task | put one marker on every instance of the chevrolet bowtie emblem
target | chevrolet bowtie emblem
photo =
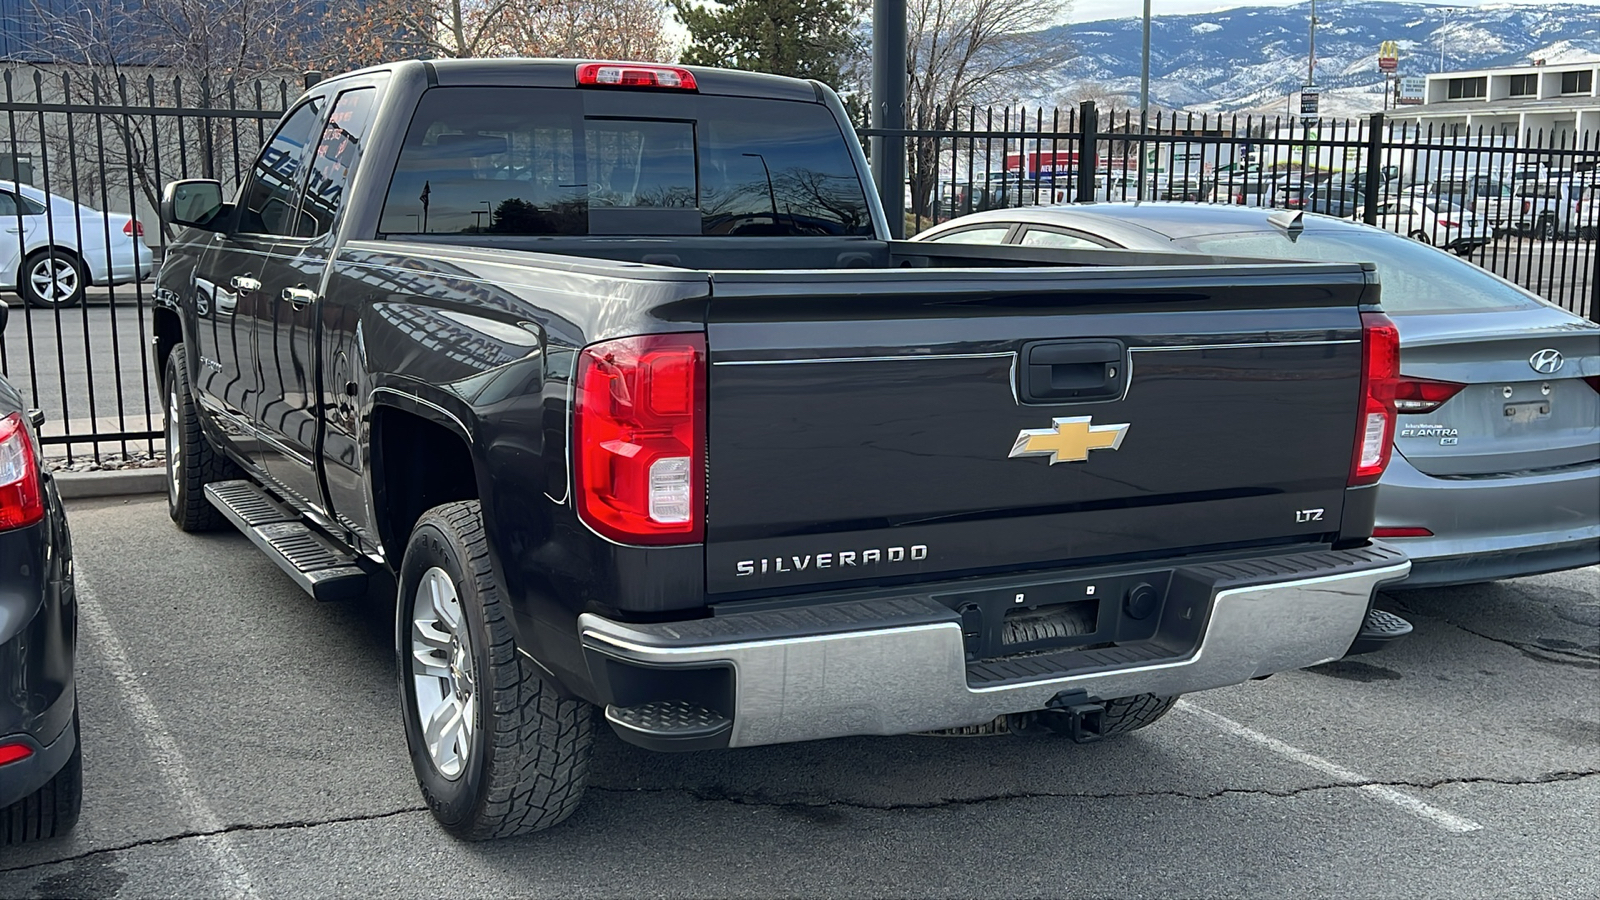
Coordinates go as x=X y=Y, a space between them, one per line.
x=1069 y=440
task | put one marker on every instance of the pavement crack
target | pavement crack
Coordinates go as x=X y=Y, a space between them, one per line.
x=220 y=832
x=800 y=805
x=1536 y=652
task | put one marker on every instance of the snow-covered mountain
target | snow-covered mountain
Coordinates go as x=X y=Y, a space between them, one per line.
x=1252 y=58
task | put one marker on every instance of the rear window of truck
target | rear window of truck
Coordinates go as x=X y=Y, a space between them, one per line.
x=541 y=161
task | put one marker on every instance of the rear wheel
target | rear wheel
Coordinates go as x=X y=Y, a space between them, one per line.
x=192 y=463
x=1546 y=229
x=52 y=280
x=496 y=750
x=1126 y=714
x=1420 y=235
x=49 y=812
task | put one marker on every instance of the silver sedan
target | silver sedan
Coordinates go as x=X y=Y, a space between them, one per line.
x=1496 y=471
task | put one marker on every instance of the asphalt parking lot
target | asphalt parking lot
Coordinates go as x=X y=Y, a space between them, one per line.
x=241 y=740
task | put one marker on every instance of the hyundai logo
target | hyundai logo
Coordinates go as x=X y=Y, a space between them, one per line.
x=1547 y=361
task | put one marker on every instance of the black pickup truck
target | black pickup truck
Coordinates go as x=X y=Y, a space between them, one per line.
x=610 y=374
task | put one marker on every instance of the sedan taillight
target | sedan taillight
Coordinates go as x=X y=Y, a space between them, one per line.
x=133 y=228
x=21 y=496
x=1423 y=395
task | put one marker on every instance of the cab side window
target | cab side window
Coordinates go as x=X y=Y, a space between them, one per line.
x=268 y=201
x=334 y=159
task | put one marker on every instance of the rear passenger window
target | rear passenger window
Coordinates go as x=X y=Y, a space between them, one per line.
x=1035 y=237
x=539 y=161
x=335 y=156
x=989 y=235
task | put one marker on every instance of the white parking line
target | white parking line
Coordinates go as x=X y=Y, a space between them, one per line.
x=1446 y=820
x=163 y=750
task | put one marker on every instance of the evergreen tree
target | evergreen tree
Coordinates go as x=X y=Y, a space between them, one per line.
x=801 y=38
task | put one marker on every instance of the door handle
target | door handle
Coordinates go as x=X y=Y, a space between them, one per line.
x=244 y=284
x=1072 y=371
x=13 y=230
x=298 y=296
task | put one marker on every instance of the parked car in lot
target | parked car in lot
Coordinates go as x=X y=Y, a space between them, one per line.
x=52 y=249
x=747 y=484
x=41 y=768
x=1432 y=221
x=1497 y=466
x=1554 y=209
x=1487 y=197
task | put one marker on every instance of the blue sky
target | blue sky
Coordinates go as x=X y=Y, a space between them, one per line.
x=1090 y=10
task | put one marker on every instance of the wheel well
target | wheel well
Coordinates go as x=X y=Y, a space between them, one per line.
x=168 y=334
x=22 y=270
x=416 y=465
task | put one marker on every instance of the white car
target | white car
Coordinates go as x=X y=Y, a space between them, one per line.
x=1432 y=221
x=51 y=248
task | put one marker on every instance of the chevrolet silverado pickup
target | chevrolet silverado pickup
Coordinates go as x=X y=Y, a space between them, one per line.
x=610 y=374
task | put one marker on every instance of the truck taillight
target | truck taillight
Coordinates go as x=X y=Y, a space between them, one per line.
x=636 y=75
x=639 y=438
x=1423 y=395
x=133 y=228
x=1380 y=376
x=21 y=498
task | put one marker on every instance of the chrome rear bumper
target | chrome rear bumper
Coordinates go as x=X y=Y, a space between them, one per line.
x=851 y=678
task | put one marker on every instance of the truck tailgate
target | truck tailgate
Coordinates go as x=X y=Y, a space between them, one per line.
x=873 y=425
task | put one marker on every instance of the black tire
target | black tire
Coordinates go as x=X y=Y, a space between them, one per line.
x=193 y=463
x=1126 y=714
x=49 y=812
x=1420 y=235
x=527 y=757
x=1546 y=229
x=66 y=265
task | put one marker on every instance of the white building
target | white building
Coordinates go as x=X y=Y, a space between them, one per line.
x=1550 y=106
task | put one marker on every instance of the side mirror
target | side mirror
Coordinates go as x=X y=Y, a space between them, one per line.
x=196 y=203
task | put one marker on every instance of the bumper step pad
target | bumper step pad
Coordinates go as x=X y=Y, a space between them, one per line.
x=323 y=570
x=1379 y=631
x=675 y=722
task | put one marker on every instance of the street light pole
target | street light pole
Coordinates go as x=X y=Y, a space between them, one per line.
x=1311 y=58
x=1144 y=104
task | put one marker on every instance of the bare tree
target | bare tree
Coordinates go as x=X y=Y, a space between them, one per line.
x=357 y=33
x=966 y=52
x=209 y=53
x=589 y=29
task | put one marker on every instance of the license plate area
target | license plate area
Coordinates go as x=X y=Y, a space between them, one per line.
x=1530 y=411
x=1054 y=615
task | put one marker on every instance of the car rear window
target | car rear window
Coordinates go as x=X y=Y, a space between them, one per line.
x=1416 y=278
x=541 y=161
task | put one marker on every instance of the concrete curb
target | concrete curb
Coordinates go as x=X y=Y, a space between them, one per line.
x=113 y=483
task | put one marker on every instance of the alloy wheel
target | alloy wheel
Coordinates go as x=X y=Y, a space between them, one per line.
x=174 y=450
x=54 y=281
x=443 y=672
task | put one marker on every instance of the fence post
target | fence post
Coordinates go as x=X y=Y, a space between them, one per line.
x=1088 y=144
x=1369 y=198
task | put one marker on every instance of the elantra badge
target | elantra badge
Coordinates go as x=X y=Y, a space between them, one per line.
x=1068 y=440
x=1547 y=361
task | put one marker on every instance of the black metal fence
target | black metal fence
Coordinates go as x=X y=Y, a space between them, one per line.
x=1520 y=202
x=84 y=156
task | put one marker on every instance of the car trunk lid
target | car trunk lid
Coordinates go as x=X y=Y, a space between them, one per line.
x=1524 y=404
